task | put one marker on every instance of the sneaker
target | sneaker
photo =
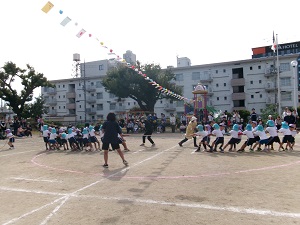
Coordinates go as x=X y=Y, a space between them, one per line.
x=240 y=150
x=125 y=162
x=153 y=145
x=180 y=144
x=126 y=150
x=105 y=165
x=142 y=144
x=258 y=149
x=251 y=150
x=196 y=146
x=198 y=150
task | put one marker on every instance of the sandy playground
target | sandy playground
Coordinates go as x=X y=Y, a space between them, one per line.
x=164 y=184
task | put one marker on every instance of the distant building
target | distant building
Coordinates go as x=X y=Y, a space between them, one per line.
x=235 y=85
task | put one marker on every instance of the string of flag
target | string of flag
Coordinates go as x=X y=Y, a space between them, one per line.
x=48 y=6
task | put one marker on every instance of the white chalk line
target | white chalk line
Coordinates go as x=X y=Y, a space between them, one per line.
x=66 y=197
x=263 y=212
x=37 y=180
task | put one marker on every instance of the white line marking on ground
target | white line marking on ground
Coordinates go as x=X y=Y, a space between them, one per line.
x=66 y=197
x=38 y=180
x=263 y=212
x=17 y=153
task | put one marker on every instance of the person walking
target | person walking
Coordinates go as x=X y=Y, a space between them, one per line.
x=148 y=131
x=111 y=129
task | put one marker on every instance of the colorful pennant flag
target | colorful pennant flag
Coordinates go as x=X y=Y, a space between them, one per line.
x=80 y=33
x=47 y=7
x=65 y=21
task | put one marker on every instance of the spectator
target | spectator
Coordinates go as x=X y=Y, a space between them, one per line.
x=253 y=115
x=172 y=122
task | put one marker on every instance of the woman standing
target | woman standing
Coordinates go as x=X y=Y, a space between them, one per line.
x=111 y=129
x=190 y=130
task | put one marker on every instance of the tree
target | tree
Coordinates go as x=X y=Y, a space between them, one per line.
x=269 y=110
x=35 y=109
x=125 y=82
x=29 y=80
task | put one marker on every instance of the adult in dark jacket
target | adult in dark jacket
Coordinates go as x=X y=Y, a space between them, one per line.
x=111 y=129
x=148 y=131
x=290 y=119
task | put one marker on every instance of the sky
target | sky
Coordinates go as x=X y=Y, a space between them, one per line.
x=156 y=31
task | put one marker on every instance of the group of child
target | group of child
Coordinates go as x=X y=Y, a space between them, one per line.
x=256 y=136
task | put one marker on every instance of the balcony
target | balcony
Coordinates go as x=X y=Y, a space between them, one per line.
x=169 y=107
x=206 y=79
x=91 y=100
x=51 y=102
x=71 y=94
x=270 y=72
x=90 y=88
x=270 y=100
x=238 y=96
x=91 y=111
x=238 y=82
x=71 y=106
x=52 y=112
x=51 y=92
x=270 y=86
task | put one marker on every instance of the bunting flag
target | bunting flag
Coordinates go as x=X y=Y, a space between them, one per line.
x=65 y=21
x=47 y=7
x=157 y=86
x=80 y=33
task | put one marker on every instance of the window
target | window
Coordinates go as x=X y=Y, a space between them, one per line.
x=286 y=96
x=111 y=95
x=161 y=101
x=196 y=76
x=224 y=84
x=101 y=67
x=99 y=106
x=59 y=96
x=252 y=96
x=112 y=106
x=250 y=67
x=251 y=82
x=217 y=85
x=259 y=81
x=179 y=77
x=64 y=96
x=217 y=71
x=99 y=84
x=224 y=70
x=285 y=67
x=225 y=98
x=285 y=81
x=259 y=67
x=218 y=98
x=63 y=85
x=79 y=95
x=128 y=103
x=80 y=106
x=100 y=95
x=58 y=107
x=134 y=103
x=58 y=86
x=260 y=95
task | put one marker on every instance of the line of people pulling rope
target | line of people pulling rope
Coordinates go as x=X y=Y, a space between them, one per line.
x=256 y=136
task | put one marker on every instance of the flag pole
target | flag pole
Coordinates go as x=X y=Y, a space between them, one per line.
x=278 y=79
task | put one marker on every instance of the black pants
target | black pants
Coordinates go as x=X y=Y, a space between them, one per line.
x=185 y=139
x=149 y=138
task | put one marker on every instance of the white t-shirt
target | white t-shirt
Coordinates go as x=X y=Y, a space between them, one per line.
x=218 y=133
x=234 y=134
x=285 y=131
x=262 y=135
x=202 y=133
x=272 y=131
x=249 y=134
x=52 y=136
x=46 y=133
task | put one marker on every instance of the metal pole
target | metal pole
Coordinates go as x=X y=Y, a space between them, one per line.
x=294 y=64
x=84 y=91
x=278 y=78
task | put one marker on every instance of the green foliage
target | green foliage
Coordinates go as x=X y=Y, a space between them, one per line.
x=244 y=115
x=125 y=82
x=269 y=110
x=29 y=81
x=35 y=109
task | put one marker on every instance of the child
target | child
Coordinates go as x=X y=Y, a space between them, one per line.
x=86 y=140
x=262 y=136
x=219 y=133
x=148 y=131
x=64 y=140
x=11 y=138
x=250 y=139
x=234 y=138
x=52 y=140
x=205 y=138
x=93 y=137
x=287 y=138
x=272 y=130
x=45 y=135
x=294 y=133
x=72 y=140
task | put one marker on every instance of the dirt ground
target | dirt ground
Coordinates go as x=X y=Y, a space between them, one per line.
x=164 y=184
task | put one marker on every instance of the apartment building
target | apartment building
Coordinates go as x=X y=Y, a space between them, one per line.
x=234 y=85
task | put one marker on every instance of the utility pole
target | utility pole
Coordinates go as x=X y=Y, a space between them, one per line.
x=84 y=91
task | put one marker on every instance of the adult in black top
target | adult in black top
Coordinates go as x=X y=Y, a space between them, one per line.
x=148 y=131
x=111 y=129
x=253 y=115
x=290 y=119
